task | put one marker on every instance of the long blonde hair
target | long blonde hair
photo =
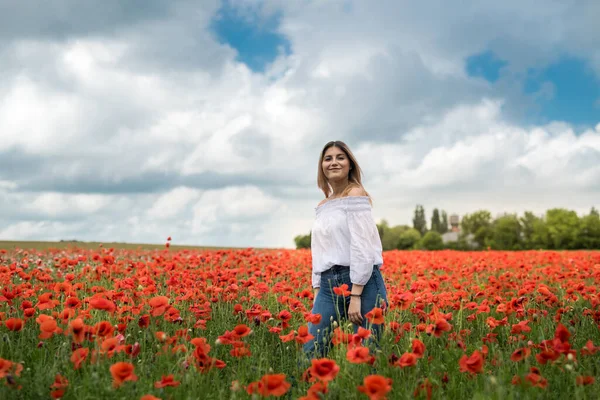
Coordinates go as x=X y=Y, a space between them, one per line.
x=354 y=175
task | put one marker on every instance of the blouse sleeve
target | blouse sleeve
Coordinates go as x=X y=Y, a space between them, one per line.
x=363 y=233
x=316 y=280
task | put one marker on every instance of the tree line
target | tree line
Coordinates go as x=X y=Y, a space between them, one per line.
x=556 y=229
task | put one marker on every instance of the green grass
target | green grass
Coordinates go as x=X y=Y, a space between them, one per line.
x=68 y=244
x=175 y=274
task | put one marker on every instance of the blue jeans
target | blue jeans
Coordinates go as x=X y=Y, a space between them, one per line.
x=333 y=307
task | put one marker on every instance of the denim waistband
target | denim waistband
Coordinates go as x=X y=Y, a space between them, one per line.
x=342 y=268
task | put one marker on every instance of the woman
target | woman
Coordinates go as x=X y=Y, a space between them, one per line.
x=346 y=249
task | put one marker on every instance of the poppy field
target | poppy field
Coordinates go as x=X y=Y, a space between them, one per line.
x=229 y=324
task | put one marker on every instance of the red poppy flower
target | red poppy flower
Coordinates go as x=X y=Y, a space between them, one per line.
x=418 y=348
x=323 y=369
x=439 y=328
x=535 y=379
x=342 y=290
x=242 y=330
x=375 y=316
x=79 y=356
x=270 y=385
x=520 y=354
x=14 y=324
x=167 y=380
x=376 y=387
x=287 y=338
x=359 y=355
x=159 y=305
x=472 y=364
x=303 y=335
x=585 y=380
x=122 y=372
x=407 y=360
x=100 y=303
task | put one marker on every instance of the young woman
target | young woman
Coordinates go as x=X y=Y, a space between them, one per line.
x=346 y=249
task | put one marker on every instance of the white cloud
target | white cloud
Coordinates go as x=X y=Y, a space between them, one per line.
x=58 y=205
x=172 y=203
x=6 y=185
x=158 y=130
x=247 y=203
x=49 y=230
x=39 y=121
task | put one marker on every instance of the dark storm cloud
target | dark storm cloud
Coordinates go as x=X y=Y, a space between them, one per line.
x=162 y=35
x=62 y=19
x=251 y=143
x=16 y=165
x=170 y=46
x=31 y=174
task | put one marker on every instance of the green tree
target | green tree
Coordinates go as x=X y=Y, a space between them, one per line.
x=303 y=241
x=479 y=224
x=431 y=241
x=506 y=233
x=391 y=235
x=444 y=223
x=589 y=234
x=381 y=228
x=563 y=228
x=436 y=223
x=419 y=221
x=408 y=239
x=535 y=231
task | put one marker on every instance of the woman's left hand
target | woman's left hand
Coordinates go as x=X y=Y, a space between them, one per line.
x=354 y=314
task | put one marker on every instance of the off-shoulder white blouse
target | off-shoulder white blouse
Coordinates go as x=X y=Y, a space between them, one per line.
x=344 y=233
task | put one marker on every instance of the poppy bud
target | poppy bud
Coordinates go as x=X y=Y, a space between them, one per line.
x=135 y=349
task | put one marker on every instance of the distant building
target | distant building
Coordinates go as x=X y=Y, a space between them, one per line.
x=450 y=237
x=455 y=232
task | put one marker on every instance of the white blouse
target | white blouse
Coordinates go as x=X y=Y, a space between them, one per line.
x=344 y=233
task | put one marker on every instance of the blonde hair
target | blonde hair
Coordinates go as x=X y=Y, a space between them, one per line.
x=354 y=176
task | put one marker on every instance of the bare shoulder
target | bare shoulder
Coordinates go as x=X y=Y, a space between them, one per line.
x=357 y=191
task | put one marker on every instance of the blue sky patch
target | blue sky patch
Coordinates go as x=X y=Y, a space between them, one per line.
x=485 y=65
x=254 y=37
x=574 y=91
x=567 y=90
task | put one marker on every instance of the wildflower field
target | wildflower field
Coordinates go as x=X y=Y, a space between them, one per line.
x=229 y=324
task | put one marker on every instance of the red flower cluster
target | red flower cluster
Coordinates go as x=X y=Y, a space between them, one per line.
x=475 y=313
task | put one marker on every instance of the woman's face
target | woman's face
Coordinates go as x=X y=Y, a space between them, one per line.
x=336 y=164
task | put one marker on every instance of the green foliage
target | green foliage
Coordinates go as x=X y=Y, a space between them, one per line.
x=436 y=223
x=535 y=231
x=589 y=235
x=262 y=279
x=557 y=229
x=563 y=228
x=419 y=220
x=391 y=236
x=431 y=241
x=444 y=223
x=479 y=224
x=381 y=227
x=507 y=233
x=460 y=244
x=302 y=241
x=408 y=239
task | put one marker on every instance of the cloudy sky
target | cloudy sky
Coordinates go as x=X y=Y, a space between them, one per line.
x=203 y=120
